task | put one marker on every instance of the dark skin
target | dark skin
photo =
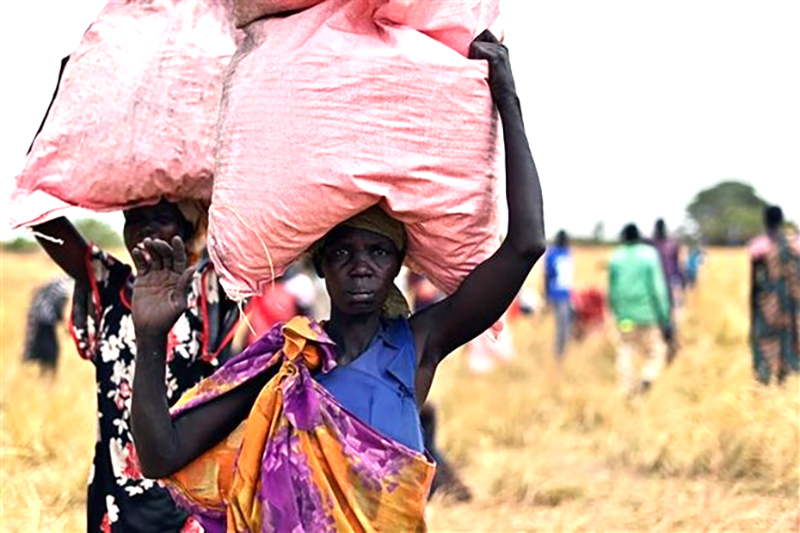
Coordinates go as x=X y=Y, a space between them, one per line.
x=161 y=221
x=359 y=268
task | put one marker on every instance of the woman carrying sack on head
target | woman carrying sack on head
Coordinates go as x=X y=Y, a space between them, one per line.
x=315 y=427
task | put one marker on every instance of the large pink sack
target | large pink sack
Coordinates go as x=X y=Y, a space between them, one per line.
x=332 y=110
x=453 y=22
x=135 y=113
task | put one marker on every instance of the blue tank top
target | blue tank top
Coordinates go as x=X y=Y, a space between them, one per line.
x=378 y=386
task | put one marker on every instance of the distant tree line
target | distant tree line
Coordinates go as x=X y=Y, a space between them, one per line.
x=727 y=214
x=93 y=230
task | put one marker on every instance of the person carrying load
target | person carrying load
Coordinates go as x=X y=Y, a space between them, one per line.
x=315 y=427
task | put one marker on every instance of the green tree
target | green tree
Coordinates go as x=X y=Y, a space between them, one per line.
x=100 y=233
x=728 y=213
x=20 y=244
x=93 y=230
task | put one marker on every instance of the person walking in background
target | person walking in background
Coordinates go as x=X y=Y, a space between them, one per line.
x=637 y=295
x=45 y=312
x=774 y=300
x=300 y=284
x=669 y=251
x=588 y=311
x=558 y=289
x=423 y=293
x=275 y=305
x=693 y=263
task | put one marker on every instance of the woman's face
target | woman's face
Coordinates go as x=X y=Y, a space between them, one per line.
x=359 y=268
x=161 y=221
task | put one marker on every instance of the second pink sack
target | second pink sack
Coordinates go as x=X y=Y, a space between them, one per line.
x=334 y=109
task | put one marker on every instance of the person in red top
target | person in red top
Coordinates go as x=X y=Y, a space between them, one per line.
x=276 y=305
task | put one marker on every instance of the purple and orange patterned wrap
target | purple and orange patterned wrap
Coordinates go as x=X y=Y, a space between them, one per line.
x=299 y=462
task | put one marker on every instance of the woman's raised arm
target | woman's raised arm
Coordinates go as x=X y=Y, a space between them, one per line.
x=489 y=290
x=165 y=445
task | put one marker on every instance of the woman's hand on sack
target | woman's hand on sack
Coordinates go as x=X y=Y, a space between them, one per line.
x=501 y=79
x=160 y=293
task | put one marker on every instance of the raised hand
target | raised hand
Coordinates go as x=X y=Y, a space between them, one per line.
x=501 y=80
x=160 y=293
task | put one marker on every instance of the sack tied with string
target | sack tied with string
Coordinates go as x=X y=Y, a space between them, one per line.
x=347 y=104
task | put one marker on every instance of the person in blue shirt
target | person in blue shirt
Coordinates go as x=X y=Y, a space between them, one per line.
x=385 y=358
x=693 y=263
x=558 y=288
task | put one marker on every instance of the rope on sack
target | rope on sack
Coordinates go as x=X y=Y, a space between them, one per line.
x=238 y=298
x=260 y=240
x=243 y=314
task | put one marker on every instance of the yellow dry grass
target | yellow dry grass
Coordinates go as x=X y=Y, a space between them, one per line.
x=707 y=450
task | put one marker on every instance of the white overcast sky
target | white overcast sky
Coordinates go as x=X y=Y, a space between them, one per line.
x=631 y=106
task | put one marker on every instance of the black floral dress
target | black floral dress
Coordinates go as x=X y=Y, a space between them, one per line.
x=119 y=498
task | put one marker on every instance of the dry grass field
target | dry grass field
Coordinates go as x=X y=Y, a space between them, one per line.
x=706 y=450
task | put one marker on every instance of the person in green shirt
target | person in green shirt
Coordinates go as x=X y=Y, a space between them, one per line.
x=639 y=300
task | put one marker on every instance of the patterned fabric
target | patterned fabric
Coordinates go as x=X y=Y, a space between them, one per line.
x=774 y=336
x=299 y=462
x=119 y=498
